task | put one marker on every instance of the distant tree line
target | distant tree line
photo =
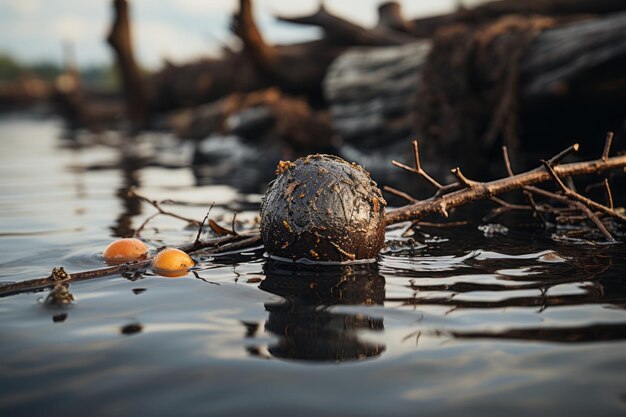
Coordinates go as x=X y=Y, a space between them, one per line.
x=12 y=70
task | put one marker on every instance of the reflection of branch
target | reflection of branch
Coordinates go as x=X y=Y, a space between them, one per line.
x=157 y=205
x=465 y=191
x=216 y=228
x=581 y=334
x=227 y=241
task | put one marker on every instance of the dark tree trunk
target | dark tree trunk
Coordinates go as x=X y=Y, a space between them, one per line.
x=120 y=39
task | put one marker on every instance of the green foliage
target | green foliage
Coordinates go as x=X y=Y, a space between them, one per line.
x=11 y=70
x=45 y=70
x=104 y=76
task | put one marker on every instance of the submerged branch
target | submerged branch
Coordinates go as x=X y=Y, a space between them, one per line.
x=60 y=276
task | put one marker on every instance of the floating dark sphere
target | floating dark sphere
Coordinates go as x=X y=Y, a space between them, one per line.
x=324 y=209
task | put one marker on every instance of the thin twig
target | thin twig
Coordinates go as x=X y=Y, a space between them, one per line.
x=556 y=159
x=157 y=205
x=238 y=245
x=400 y=194
x=418 y=167
x=592 y=216
x=548 y=166
x=202 y=224
x=609 y=195
x=462 y=179
x=442 y=225
x=232 y=226
x=581 y=198
x=578 y=205
x=527 y=194
x=607 y=146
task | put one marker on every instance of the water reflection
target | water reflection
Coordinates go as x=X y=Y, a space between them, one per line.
x=491 y=280
x=577 y=334
x=307 y=328
x=553 y=287
x=130 y=168
x=59 y=296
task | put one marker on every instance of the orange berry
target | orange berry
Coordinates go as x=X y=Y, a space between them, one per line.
x=171 y=261
x=125 y=250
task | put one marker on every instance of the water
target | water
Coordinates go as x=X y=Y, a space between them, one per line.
x=454 y=323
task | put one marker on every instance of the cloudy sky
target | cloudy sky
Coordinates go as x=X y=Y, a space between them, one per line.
x=34 y=30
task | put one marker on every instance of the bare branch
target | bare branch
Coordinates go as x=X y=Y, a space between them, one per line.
x=507 y=161
x=556 y=159
x=607 y=146
x=232 y=226
x=157 y=205
x=462 y=179
x=400 y=194
x=581 y=198
x=578 y=205
x=418 y=166
x=529 y=196
x=441 y=204
x=202 y=224
x=609 y=195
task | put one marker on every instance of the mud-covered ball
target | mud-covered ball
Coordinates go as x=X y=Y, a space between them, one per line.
x=322 y=208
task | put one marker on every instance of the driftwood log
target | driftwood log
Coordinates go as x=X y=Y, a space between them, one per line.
x=564 y=10
x=383 y=110
x=297 y=69
x=372 y=92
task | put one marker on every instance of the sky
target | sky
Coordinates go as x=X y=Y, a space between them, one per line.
x=179 y=30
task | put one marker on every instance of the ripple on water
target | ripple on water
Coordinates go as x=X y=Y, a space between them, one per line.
x=448 y=322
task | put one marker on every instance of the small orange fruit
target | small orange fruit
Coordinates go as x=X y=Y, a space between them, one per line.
x=125 y=250
x=170 y=261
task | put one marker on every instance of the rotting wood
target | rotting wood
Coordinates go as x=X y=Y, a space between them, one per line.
x=372 y=92
x=565 y=10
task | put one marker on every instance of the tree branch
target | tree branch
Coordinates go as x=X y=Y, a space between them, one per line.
x=483 y=190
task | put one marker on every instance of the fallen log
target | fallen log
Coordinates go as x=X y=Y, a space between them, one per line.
x=341 y=31
x=180 y=86
x=564 y=10
x=297 y=69
x=300 y=68
x=372 y=92
x=390 y=16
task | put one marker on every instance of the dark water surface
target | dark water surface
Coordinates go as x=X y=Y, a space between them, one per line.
x=456 y=323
